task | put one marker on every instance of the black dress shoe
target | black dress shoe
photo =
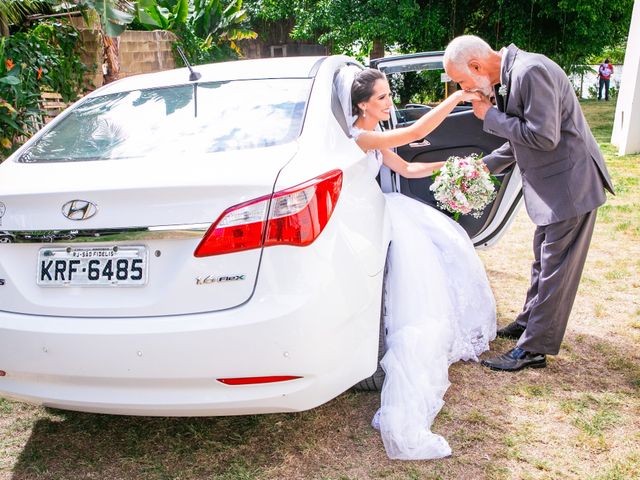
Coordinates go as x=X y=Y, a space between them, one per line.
x=513 y=330
x=515 y=360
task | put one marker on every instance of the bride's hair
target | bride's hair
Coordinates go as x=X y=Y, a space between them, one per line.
x=362 y=87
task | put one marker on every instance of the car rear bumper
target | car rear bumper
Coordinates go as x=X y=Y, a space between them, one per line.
x=170 y=366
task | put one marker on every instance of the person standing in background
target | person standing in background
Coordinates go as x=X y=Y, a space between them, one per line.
x=604 y=76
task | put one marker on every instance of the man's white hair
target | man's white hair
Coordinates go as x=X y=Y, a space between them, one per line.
x=464 y=48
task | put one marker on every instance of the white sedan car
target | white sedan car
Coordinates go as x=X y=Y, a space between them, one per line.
x=180 y=246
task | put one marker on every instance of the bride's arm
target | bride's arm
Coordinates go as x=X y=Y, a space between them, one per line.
x=375 y=140
x=406 y=169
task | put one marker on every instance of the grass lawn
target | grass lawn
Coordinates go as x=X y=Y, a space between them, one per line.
x=577 y=419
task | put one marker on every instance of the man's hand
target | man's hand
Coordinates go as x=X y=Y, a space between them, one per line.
x=481 y=106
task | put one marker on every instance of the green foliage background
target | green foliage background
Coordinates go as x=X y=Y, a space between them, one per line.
x=572 y=32
x=569 y=31
x=43 y=58
x=207 y=30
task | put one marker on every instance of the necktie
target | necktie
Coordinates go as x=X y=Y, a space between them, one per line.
x=499 y=98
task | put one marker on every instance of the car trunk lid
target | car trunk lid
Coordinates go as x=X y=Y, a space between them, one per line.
x=143 y=220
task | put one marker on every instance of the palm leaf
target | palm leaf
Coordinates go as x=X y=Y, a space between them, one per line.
x=15 y=10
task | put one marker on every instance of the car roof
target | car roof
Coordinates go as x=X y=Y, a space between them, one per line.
x=283 y=67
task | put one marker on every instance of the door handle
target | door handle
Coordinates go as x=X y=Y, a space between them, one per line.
x=423 y=143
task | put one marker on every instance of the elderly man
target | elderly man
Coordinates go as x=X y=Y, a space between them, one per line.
x=563 y=180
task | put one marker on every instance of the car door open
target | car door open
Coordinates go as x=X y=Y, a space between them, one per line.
x=414 y=80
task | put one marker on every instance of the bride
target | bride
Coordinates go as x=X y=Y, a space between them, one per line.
x=440 y=308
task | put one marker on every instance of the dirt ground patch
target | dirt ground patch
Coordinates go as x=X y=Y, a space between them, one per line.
x=577 y=419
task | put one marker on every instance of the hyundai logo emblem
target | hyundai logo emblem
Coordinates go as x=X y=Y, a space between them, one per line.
x=79 y=210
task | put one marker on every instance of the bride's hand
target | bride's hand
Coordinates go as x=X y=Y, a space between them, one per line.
x=465 y=96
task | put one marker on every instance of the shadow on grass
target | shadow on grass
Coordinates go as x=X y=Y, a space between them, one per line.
x=72 y=445
x=595 y=382
x=77 y=445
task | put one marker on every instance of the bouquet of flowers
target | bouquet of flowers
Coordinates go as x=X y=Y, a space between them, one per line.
x=464 y=186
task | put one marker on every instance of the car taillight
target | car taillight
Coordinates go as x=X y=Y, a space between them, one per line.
x=257 y=380
x=296 y=216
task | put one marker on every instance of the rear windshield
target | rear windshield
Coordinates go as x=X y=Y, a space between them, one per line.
x=182 y=120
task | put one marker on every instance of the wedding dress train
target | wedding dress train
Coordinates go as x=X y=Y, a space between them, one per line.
x=439 y=309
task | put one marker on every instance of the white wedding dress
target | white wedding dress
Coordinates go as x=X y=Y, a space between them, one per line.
x=439 y=309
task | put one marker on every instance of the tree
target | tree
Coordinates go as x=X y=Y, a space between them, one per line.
x=114 y=16
x=207 y=30
x=358 y=27
x=569 y=31
x=43 y=57
x=14 y=11
x=615 y=53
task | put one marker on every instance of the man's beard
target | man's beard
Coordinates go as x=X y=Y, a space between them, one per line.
x=483 y=84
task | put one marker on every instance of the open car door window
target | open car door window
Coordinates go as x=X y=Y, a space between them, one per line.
x=460 y=134
x=412 y=62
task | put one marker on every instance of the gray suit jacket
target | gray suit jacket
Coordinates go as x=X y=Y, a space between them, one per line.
x=563 y=171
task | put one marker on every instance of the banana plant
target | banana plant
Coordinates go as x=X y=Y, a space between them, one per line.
x=14 y=11
x=168 y=15
x=114 y=15
x=206 y=25
x=219 y=22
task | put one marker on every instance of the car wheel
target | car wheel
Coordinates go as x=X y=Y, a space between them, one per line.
x=375 y=381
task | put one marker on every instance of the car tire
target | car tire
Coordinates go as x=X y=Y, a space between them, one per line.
x=375 y=381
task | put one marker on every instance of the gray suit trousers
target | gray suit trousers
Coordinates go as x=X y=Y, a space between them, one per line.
x=560 y=250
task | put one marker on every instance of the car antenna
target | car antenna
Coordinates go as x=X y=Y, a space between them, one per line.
x=193 y=75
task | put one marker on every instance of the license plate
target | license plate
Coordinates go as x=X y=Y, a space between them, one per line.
x=115 y=266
